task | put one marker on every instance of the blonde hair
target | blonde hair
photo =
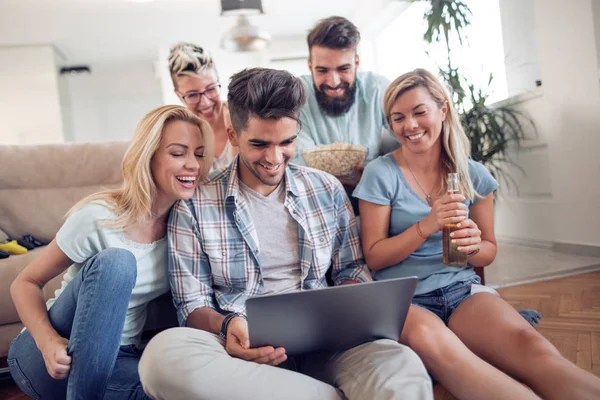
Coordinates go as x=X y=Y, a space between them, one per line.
x=188 y=59
x=456 y=148
x=132 y=202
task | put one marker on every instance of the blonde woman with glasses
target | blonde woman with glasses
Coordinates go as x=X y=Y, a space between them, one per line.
x=197 y=85
x=471 y=341
x=85 y=342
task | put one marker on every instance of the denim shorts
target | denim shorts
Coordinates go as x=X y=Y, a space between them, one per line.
x=442 y=302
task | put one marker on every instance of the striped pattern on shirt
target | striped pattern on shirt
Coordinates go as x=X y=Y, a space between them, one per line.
x=214 y=254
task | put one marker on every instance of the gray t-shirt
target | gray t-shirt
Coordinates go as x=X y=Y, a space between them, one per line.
x=277 y=235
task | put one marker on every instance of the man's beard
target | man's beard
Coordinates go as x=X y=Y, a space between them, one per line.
x=336 y=106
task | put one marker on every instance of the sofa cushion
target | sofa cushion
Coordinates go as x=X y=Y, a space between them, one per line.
x=39 y=184
x=39 y=212
x=7 y=333
x=9 y=269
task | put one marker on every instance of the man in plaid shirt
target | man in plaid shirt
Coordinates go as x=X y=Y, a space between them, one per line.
x=264 y=226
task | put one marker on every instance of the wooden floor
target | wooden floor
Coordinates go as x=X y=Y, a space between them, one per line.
x=571 y=310
x=571 y=322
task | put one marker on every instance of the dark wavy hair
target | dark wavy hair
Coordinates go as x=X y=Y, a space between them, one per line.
x=334 y=33
x=264 y=93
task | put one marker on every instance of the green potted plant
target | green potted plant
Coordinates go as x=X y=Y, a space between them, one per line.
x=493 y=130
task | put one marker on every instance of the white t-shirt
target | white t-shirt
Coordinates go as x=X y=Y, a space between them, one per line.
x=83 y=235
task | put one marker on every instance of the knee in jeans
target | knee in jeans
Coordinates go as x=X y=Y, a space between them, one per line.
x=118 y=263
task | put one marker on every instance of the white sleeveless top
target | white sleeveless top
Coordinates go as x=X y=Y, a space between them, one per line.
x=224 y=159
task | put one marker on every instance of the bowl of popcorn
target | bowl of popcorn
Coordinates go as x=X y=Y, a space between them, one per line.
x=339 y=159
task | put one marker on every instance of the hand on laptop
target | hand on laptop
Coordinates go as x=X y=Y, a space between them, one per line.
x=238 y=345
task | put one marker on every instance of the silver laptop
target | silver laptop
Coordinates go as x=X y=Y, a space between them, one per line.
x=335 y=318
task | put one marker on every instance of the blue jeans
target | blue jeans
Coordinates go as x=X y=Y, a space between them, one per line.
x=442 y=302
x=90 y=313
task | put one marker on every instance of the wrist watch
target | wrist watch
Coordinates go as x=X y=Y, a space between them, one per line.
x=226 y=321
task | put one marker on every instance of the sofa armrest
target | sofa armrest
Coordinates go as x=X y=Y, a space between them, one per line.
x=9 y=269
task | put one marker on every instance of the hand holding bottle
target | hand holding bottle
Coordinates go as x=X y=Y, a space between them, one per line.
x=448 y=209
x=467 y=237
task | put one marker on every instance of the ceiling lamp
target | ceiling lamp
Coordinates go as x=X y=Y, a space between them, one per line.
x=243 y=36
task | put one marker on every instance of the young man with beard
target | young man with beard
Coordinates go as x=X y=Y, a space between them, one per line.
x=343 y=105
x=264 y=226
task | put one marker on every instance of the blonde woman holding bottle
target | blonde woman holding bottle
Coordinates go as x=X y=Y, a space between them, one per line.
x=472 y=342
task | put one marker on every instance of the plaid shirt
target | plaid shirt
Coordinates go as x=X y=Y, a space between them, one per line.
x=214 y=254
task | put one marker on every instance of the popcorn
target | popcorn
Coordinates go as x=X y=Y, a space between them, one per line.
x=339 y=159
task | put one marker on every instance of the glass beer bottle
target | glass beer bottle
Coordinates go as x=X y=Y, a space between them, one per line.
x=452 y=256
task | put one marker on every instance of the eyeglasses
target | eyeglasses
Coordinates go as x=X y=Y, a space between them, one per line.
x=210 y=93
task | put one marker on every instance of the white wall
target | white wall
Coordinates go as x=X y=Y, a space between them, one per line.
x=559 y=198
x=520 y=45
x=372 y=18
x=29 y=96
x=290 y=53
x=596 y=13
x=400 y=47
x=568 y=63
x=65 y=103
x=526 y=213
x=108 y=103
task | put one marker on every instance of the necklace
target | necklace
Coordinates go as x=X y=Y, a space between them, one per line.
x=427 y=195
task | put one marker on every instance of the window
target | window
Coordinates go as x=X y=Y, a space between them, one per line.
x=400 y=47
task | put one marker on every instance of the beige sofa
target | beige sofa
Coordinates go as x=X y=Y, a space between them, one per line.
x=38 y=185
